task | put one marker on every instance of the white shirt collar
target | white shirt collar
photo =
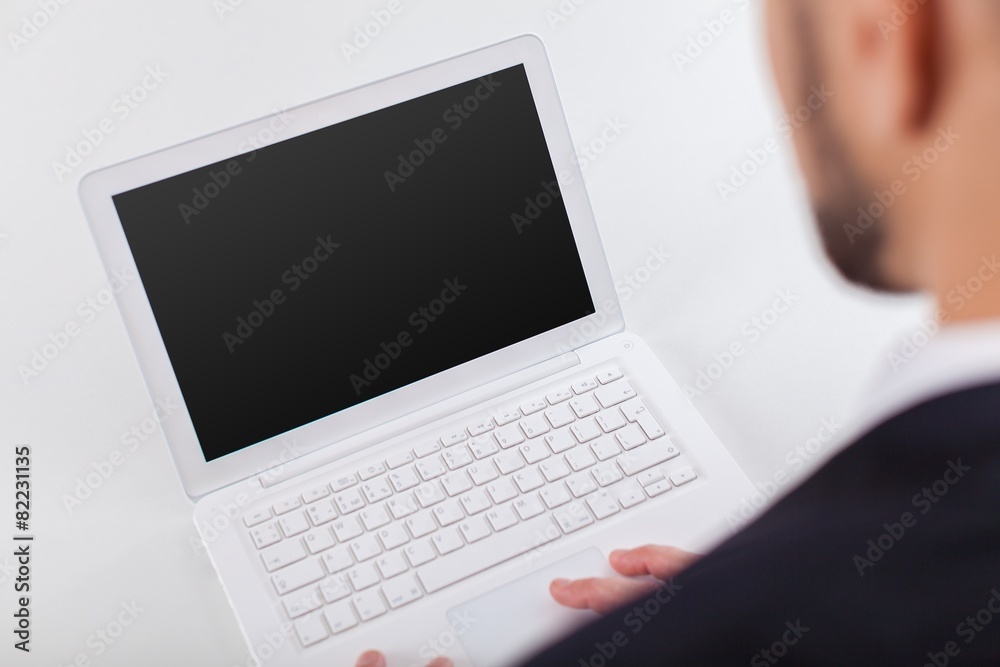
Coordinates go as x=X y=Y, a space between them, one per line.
x=959 y=357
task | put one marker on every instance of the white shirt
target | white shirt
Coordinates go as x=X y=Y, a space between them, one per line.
x=959 y=357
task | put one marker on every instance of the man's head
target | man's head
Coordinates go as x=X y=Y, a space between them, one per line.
x=900 y=159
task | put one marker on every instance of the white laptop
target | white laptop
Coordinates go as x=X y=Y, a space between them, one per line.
x=408 y=398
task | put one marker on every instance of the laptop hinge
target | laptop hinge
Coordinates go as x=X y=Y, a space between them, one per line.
x=391 y=429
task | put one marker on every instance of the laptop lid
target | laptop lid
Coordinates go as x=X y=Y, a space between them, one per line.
x=391 y=247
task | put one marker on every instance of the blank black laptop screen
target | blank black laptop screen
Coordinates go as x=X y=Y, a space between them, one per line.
x=315 y=273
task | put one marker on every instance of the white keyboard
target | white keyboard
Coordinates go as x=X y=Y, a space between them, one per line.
x=373 y=540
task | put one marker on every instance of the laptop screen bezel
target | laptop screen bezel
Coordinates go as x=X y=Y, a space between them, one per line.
x=199 y=476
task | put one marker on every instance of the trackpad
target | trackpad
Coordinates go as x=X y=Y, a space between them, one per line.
x=512 y=622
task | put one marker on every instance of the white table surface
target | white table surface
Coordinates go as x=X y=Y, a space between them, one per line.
x=655 y=186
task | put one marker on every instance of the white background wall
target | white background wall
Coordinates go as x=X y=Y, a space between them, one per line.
x=656 y=185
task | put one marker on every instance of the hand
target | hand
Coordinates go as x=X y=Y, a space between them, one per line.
x=604 y=595
x=376 y=659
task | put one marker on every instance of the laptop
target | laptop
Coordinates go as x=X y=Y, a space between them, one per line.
x=407 y=396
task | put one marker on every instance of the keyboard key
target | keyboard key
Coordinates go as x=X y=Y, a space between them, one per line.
x=431 y=467
x=533 y=406
x=420 y=525
x=560 y=441
x=475 y=501
x=474 y=529
x=368 y=605
x=658 y=488
x=580 y=458
x=506 y=417
x=559 y=396
x=448 y=513
x=501 y=491
x=321 y=512
x=294 y=524
x=296 y=576
x=480 y=427
x=399 y=460
x=401 y=591
x=347 y=528
x=426 y=449
x=340 y=617
x=610 y=420
x=349 y=501
x=510 y=543
x=318 y=539
x=572 y=518
x=311 y=630
x=363 y=576
x=583 y=386
x=528 y=480
x=650 y=426
x=459 y=457
x=341 y=482
x=256 y=517
x=283 y=554
x=617 y=392
x=429 y=494
x=374 y=517
x=631 y=436
x=373 y=470
x=560 y=415
x=646 y=457
x=453 y=438
x=287 y=505
x=683 y=476
x=365 y=548
x=508 y=436
x=392 y=536
x=636 y=411
x=630 y=494
x=376 y=490
x=419 y=553
x=533 y=452
x=315 y=493
x=581 y=485
x=606 y=475
x=299 y=604
x=528 y=507
x=334 y=588
x=603 y=505
x=446 y=541
x=555 y=495
x=456 y=483
x=648 y=477
x=264 y=536
x=586 y=430
x=337 y=559
x=391 y=564
x=605 y=448
x=534 y=426
x=584 y=406
x=609 y=376
x=403 y=479
x=483 y=472
x=402 y=506
x=501 y=517
x=483 y=447
x=554 y=469
x=508 y=462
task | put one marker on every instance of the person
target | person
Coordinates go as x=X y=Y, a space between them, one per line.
x=890 y=553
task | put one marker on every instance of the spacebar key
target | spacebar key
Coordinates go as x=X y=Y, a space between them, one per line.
x=474 y=558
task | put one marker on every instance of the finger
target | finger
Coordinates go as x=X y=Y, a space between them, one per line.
x=601 y=595
x=660 y=562
x=441 y=662
x=371 y=659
